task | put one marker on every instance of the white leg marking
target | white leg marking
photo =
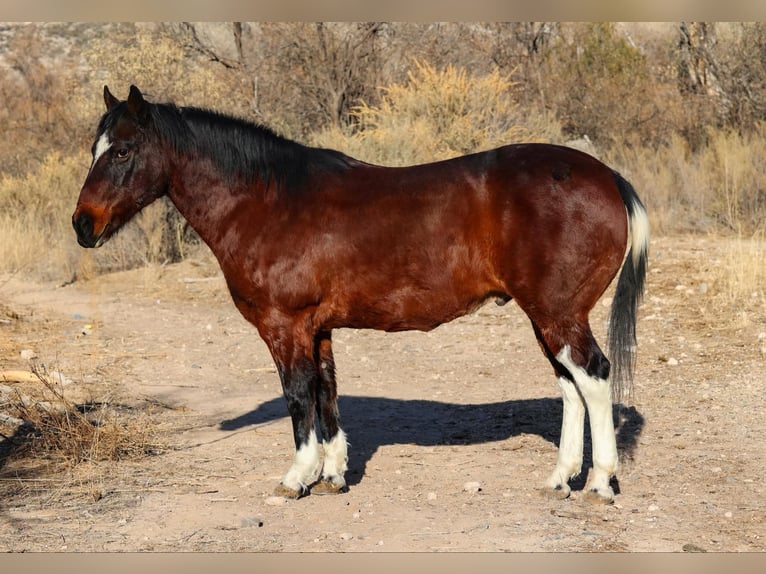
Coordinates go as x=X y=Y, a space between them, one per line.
x=597 y=396
x=569 y=463
x=335 y=459
x=305 y=468
x=102 y=145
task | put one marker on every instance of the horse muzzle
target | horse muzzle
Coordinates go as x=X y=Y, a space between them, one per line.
x=89 y=232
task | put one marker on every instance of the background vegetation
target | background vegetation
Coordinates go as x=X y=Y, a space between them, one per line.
x=679 y=109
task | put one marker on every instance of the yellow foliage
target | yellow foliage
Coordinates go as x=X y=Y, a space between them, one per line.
x=435 y=114
x=159 y=65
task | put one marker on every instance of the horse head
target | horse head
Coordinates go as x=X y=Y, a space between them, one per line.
x=129 y=170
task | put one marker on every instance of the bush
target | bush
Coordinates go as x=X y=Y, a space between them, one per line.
x=437 y=114
x=601 y=86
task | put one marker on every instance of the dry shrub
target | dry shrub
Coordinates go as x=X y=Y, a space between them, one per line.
x=55 y=429
x=669 y=184
x=720 y=187
x=164 y=69
x=41 y=110
x=435 y=115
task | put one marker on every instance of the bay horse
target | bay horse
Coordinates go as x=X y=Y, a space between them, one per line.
x=310 y=240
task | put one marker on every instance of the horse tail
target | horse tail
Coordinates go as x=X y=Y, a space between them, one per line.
x=621 y=334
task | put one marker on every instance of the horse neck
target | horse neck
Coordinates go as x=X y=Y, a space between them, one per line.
x=209 y=201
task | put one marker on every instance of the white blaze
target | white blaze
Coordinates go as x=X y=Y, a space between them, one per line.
x=102 y=145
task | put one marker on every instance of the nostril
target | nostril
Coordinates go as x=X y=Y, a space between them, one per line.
x=83 y=225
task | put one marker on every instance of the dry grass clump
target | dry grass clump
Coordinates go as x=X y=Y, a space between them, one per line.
x=40 y=423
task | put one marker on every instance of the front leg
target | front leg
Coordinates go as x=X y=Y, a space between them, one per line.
x=299 y=387
x=333 y=437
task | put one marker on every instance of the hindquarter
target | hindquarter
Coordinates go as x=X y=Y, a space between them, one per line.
x=562 y=230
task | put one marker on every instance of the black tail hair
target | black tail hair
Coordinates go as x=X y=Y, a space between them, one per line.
x=621 y=334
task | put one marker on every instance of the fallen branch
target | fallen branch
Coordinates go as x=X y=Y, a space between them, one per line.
x=19 y=376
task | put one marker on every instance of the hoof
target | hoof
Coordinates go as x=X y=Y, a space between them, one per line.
x=558 y=492
x=593 y=496
x=285 y=492
x=328 y=487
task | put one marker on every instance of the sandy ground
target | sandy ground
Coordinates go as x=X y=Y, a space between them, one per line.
x=428 y=416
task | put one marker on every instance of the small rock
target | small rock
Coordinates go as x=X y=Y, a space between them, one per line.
x=275 y=501
x=251 y=521
x=653 y=508
x=28 y=354
x=672 y=361
x=472 y=487
x=346 y=536
x=431 y=496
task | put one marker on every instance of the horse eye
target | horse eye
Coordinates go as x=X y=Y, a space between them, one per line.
x=122 y=153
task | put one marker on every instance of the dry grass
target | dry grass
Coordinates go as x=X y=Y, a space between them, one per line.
x=41 y=423
x=718 y=188
x=741 y=278
x=34 y=218
x=36 y=236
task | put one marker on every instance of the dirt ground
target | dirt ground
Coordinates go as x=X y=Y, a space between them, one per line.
x=428 y=416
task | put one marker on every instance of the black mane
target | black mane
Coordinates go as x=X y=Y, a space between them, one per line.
x=241 y=150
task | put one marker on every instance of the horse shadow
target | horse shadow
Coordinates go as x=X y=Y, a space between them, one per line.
x=373 y=422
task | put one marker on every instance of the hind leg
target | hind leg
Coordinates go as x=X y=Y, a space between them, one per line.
x=333 y=437
x=569 y=462
x=597 y=395
x=583 y=372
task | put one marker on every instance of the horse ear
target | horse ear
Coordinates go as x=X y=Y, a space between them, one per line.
x=109 y=99
x=136 y=103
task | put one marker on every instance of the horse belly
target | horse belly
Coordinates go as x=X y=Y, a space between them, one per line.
x=405 y=307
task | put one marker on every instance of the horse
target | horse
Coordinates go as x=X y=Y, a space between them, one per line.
x=310 y=240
